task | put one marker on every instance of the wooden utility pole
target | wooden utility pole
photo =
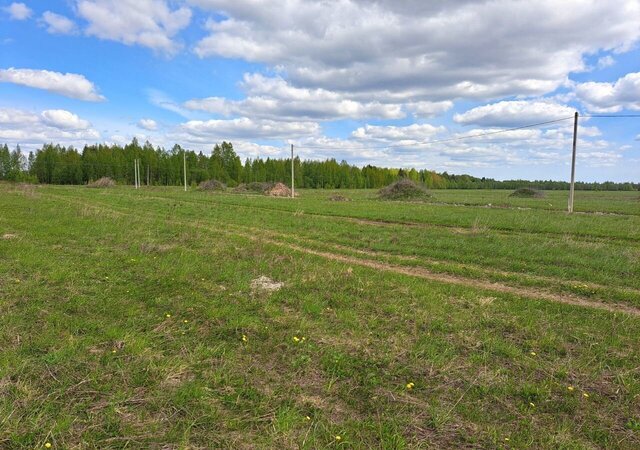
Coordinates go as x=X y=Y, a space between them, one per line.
x=135 y=172
x=573 y=163
x=184 y=159
x=293 y=188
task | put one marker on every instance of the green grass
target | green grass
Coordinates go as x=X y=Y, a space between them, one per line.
x=89 y=358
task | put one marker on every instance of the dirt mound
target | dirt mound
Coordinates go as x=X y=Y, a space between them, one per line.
x=212 y=185
x=260 y=187
x=279 y=190
x=104 y=182
x=527 y=193
x=404 y=189
x=338 y=198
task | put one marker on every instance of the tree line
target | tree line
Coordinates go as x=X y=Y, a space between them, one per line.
x=56 y=164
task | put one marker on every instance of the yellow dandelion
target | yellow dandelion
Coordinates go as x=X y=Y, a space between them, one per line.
x=307 y=418
x=185 y=321
x=570 y=388
x=296 y=339
x=167 y=315
x=533 y=353
x=47 y=445
x=113 y=351
x=303 y=339
x=338 y=438
x=533 y=405
x=585 y=395
x=506 y=439
x=410 y=385
x=244 y=338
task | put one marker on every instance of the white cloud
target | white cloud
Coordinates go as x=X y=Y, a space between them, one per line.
x=198 y=131
x=148 y=124
x=611 y=97
x=433 y=51
x=19 y=126
x=64 y=120
x=18 y=11
x=149 y=23
x=514 y=113
x=67 y=84
x=276 y=99
x=164 y=101
x=429 y=109
x=605 y=61
x=398 y=135
x=57 y=24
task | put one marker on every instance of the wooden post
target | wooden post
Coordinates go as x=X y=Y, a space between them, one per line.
x=293 y=188
x=573 y=163
x=184 y=158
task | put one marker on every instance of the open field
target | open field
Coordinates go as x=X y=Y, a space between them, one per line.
x=128 y=320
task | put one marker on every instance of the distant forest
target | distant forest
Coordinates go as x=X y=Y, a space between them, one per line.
x=55 y=164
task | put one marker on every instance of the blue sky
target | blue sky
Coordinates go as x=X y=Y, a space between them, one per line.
x=373 y=82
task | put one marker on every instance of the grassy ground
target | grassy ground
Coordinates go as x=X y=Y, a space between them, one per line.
x=127 y=320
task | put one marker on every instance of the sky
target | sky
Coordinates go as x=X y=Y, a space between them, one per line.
x=391 y=83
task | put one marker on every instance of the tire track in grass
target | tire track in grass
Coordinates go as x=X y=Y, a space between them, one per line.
x=564 y=283
x=418 y=272
x=398 y=256
x=592 y=238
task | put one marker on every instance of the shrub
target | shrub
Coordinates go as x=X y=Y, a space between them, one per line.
x=212 y=185
x=104 y=182
x=403 y=189
x=527 y=193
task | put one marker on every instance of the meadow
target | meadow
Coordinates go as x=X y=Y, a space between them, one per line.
x=130 y=319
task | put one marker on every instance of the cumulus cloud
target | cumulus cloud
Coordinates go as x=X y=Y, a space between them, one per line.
x=199 y=131
x=401 y=135
x=64 y=120
x=149 y=23
x=514 y=113
x=68 y=84
x=611 y=97
x=18 y=126
x=429 y=109
x=57 y=24
x=148 y=124
x=435 y=52
x=273 y=97
x=18 y=11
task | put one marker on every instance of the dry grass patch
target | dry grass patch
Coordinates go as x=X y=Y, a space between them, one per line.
x=104 y=182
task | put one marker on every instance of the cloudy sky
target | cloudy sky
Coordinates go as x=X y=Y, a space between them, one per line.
x=385 y=82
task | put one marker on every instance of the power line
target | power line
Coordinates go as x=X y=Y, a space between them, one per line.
x=438 y=141
x=611 y=116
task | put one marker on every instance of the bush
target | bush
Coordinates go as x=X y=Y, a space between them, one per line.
x=527 y=193
x=404 y=189
x=104 y=182
x=212 y=185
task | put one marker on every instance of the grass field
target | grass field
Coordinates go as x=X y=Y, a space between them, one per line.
x=128 y=320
